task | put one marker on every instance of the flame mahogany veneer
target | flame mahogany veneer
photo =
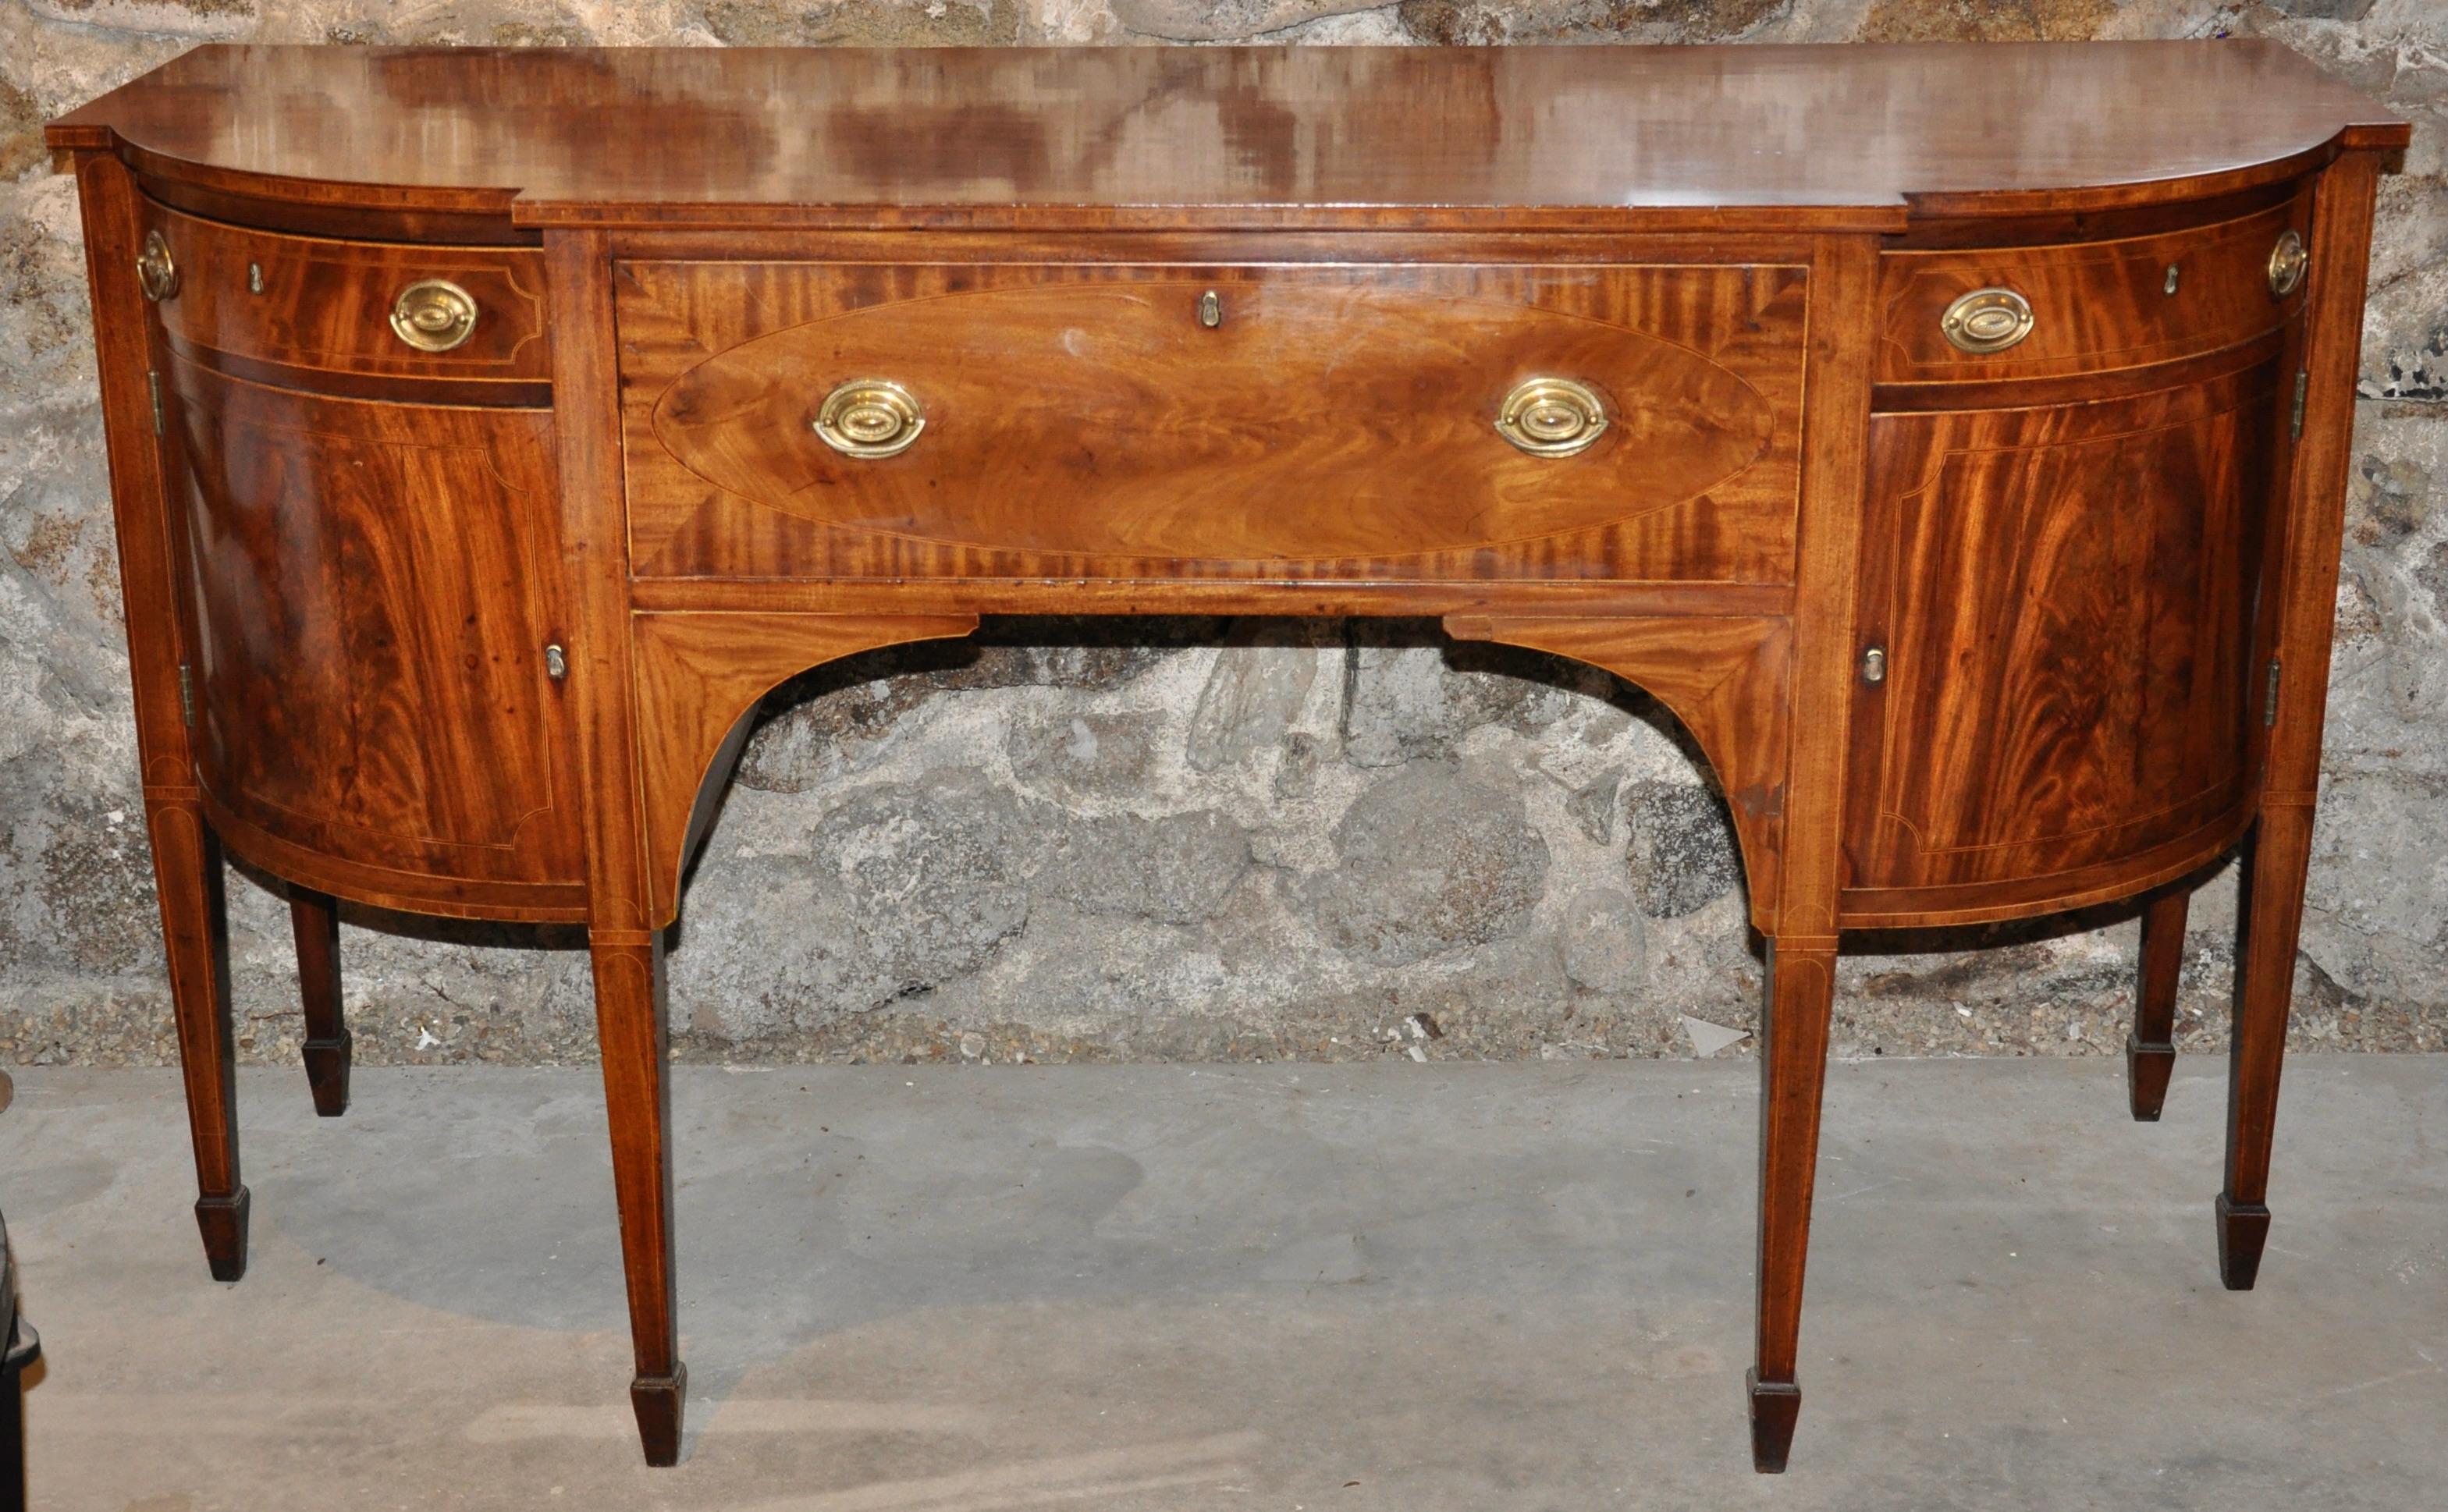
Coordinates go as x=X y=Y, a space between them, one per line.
x=469 y=619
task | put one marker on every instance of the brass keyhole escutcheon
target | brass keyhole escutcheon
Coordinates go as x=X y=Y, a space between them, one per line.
x=869 y=417
x=1552 y=417
x=1987 y=320
x=434 y=315
x=2287 y=262
x=1211 y=309
x=157 y=273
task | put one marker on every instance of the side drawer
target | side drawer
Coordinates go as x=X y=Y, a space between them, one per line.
x=316 y=313
x=2094 y=306
x=1319 y=423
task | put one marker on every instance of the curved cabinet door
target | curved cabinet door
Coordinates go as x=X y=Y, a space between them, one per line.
x=373 y=587
x=2073 y=682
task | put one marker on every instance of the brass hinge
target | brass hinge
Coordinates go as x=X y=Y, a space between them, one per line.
x=2295 y=421
x=153 y=381
x=2269 y=697
x=188 y=695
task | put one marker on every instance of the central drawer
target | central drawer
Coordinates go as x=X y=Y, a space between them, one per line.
x=1426 y=422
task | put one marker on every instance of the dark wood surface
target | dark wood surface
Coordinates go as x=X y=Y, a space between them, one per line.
x=624 y=938
x=481 y=632
x=373 y=586
x=315 y=312
x=1237 y=136
x=2070 y=672
x=2096 y=305
x=2303 y=596
x=2150 y=1049
x=1337 y=426
x=314 y=923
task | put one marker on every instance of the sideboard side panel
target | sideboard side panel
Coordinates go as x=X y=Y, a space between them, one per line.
x=149 y=584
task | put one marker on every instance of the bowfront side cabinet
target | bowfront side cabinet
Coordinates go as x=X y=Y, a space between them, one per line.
x=1953 y=437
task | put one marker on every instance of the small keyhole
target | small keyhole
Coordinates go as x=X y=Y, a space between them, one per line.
x=1874 y=665
x=1211 y=309
x=2169 y=286
x=255 y=278
x=556 y=663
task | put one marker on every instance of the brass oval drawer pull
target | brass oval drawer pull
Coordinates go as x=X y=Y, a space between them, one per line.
x=1987 y=320
x=1551 y=417
x=434 y=315
x=2287 y=262
x=156 y=272
x=869 y=417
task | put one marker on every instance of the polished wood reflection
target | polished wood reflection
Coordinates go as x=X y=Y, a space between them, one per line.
x=1387 y=137
x=1337 y=425
x=374 y=585
x=1962 y=635
x=2071 y=681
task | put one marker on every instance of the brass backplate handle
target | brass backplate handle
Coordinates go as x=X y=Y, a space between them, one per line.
x=157 y=273
x=869 y=417
x=1552 y=417
x=434 y=315
x=1987 y=320
x=2287 y=262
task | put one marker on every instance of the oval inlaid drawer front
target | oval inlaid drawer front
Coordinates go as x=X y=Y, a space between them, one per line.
x=319 y=314
x=2061 y=311
x=1329 y=415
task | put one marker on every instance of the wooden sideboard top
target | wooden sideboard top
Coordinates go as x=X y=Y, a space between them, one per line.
x=1748 y=137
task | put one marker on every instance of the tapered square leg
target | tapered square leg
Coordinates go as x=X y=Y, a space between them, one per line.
x=2150 y=1049
x=314 y=921
x=2275 y=865
x=636 y=1090
x=1798 y=995
x=187 y=874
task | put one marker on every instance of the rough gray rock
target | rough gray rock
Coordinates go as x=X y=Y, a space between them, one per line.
x=1084 y=754
x=1258 y=685
x=1429 y=861
x=1606 y=942
x=1683 y=853
x=929 y=878
x=1176 y=870
x=1403 y=702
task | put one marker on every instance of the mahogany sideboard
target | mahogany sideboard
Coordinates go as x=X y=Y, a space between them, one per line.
x=1953 y=437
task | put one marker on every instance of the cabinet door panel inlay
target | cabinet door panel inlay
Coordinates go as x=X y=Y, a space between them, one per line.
x=2068 y=616
x=373 y=593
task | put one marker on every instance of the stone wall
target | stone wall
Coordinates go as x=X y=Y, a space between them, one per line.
x=1192 y=839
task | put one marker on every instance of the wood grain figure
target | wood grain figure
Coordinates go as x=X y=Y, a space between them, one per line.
x=1953 y=437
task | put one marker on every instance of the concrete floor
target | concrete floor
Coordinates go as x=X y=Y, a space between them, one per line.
x=1495 y=1287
